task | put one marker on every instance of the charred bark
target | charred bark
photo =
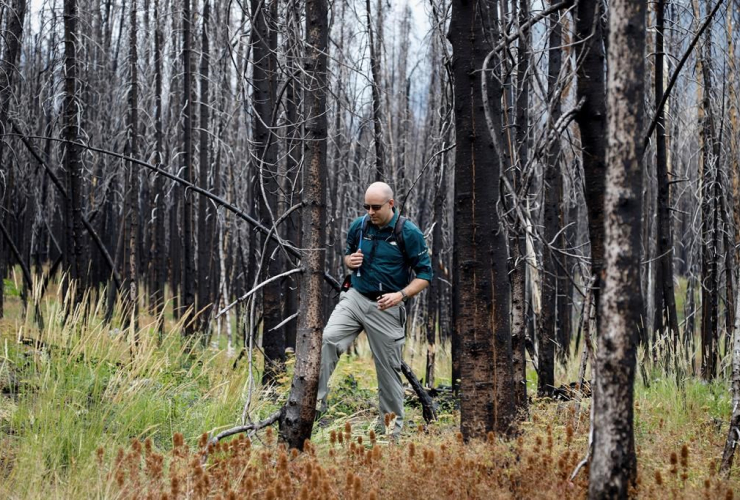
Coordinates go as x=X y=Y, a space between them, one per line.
x=591 y=119
x=132 y=179
x=205 y=237
x=264 y=98
x=187 y=295
x=613 y=466
x=74 y=245
x=664 y=289
x=13 y=38
x=296 y=421
x=481 y=301
x=377 y=118
x=553 y=187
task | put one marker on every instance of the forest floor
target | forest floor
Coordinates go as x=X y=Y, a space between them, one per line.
x=86 y=415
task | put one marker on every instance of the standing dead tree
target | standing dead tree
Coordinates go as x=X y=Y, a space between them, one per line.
x=553 y=189
x=614 y=467
x=517 y=238
x=16 y=14
x=205 y=217
x=159 y=255
x=264 y=101
x=591 y=120
x=296 y=421
x=710 y=198
x=74 y=243
x=733 y=434
x=375 y=46
x=481 y=304
x=665 y=299
x=132 y=208
x=188 y=258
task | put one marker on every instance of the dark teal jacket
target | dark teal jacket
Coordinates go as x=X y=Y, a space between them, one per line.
x=384 y=267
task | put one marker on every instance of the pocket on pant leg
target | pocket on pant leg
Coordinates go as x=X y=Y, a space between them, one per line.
x=400 y=315
x=395 y=356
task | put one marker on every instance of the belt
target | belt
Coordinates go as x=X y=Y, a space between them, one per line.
x=373 y=295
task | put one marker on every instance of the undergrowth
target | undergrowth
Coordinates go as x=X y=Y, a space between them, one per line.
x=86 y=412
x=537 y=464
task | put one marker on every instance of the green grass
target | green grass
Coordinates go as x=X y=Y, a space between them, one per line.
x=10 y=288
x=90 y=389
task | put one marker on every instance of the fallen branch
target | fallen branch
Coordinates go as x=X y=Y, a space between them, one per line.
x=427 y=403
x=255 y=426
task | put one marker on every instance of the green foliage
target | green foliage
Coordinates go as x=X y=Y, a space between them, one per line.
x=10 y=288
x=69 y=402
x=86 y=386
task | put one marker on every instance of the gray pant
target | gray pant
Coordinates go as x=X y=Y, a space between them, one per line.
x=385 y=332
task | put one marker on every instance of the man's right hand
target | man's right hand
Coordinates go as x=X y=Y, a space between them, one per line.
x=354 y=260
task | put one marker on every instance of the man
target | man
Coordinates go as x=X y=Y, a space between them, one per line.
x=381 y=282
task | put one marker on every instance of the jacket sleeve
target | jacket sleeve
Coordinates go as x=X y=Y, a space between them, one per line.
x=417 y=251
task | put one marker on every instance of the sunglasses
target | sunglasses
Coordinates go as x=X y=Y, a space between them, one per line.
x=374 y=207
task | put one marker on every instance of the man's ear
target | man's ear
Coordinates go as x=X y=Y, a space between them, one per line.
x=391 y=202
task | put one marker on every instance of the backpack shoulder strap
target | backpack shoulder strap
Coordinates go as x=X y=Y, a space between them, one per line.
x=360 y=232
x=398 y=233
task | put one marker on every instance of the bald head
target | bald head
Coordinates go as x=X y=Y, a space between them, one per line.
x=380 y=189
x=379 y=203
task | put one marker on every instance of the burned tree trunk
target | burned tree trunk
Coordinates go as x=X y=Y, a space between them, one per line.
x=481 y=303
x=188 y=259
x=433 y=295
x=613 y=466
x=517 y=242
x=292 y=163
x=264 y=98
x=297 y=418
x=710 y=193
x=205 y=237
x=553 y=187
x=664 y=290
x=13 y=37
x=733 y=435
x=591 y=119
x=74 y=244
x=160 y=249
x=377 y=119
x=131 y=245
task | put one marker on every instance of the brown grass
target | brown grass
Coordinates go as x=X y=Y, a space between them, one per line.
x=432 y=464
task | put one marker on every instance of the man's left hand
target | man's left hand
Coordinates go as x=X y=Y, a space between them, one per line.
x=389 y=300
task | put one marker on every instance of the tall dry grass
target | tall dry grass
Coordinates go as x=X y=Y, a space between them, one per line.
x=89 y=413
